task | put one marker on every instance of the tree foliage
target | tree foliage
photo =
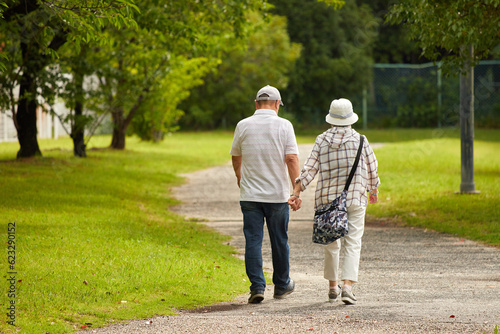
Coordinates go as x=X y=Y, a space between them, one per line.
x=447 y=27
x=465 y=31
x=77 y=86
x=392 y=44
x=146 y=72
x=336 y=54
x=32 y=33
x=336 y=4
x=228 y=93
x=159 y=112
x=145 y=57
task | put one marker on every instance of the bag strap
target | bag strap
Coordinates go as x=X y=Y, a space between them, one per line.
x=355 y=166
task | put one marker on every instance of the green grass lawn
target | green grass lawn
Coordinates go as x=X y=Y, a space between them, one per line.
x=419 y=184
x=420 y=174
x=95 y=241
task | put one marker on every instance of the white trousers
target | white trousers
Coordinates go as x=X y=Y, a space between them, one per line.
x=351 y=248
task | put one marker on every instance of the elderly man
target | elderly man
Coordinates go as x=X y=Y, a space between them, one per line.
x=265 y=161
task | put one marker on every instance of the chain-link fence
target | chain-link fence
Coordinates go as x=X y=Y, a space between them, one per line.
x=421 y=96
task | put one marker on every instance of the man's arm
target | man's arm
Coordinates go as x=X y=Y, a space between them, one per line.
x=237 y=167
x=292 y=162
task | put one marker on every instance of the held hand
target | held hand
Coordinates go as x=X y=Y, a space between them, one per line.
x=373 y=199
x=295 y=203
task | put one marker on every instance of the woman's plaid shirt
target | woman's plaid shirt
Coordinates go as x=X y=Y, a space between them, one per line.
x=331 y=158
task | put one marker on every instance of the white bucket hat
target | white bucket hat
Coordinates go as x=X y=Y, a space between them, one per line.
x=341 y=113
x=269 y=93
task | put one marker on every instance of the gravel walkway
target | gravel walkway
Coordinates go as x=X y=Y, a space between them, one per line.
x=411 y=280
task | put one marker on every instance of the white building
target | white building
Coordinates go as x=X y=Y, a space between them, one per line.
x=49 y=126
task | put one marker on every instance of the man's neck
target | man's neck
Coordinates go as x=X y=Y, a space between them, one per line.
x=267 y=108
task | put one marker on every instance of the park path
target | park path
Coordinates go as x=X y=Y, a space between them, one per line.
x=411 y=280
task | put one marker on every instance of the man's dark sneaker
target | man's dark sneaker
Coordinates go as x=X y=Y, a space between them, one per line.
x=281 y=293
x=256 y=296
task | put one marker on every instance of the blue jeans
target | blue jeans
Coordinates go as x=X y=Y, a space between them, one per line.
x=276 y=217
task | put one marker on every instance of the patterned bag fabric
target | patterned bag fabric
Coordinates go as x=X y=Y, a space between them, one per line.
x=330 y=222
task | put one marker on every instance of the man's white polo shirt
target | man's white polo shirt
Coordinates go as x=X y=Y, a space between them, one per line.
x=263 y=140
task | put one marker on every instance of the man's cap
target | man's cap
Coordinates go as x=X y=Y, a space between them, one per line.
x=269 y=93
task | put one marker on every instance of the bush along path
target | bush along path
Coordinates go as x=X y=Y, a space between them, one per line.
x=411 y=280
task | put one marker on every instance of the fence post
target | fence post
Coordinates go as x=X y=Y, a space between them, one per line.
x=439 y=97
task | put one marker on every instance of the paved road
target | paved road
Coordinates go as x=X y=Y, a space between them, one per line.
x=411 y=280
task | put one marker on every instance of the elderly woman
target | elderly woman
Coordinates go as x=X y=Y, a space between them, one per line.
x=331 y=159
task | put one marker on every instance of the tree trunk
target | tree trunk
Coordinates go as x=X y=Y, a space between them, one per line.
x=78 y=132
x=467 y=128
x=26 y=131
x=26 y=111
x=118 y=141
x=78 y=129
x=121 y=123
x=119 y=130
x=79 y=147
x=34 y=63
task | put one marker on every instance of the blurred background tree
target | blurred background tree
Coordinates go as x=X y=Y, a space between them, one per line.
x=336 y=58
x=32 y=32
x=228 y=92
x=158 y=66
x=146 y=72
